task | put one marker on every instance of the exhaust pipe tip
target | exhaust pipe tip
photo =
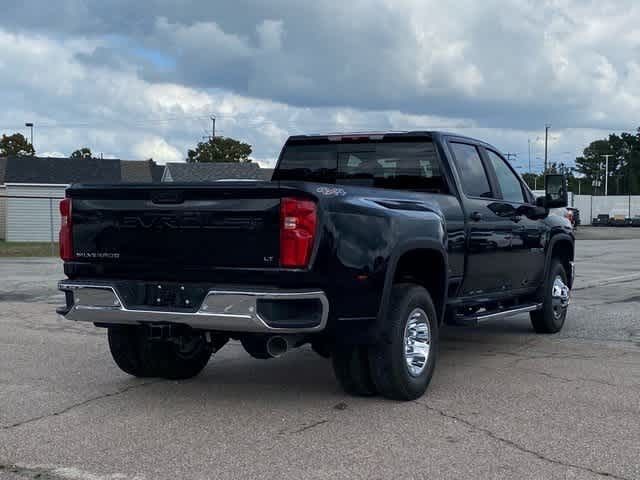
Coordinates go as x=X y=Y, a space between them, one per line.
x=277 y=346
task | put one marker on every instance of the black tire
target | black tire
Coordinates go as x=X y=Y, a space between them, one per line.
x=351 y=367
x=322 y=348
x=389 y=369
x=130 y=351
x=137 y=355
x=550 y=319
x=184 y=360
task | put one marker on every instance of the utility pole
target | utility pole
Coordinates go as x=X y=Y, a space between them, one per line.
x=529 y=152
x=509 y=155
x=211 y=137
x=629 y=184
x=606 y=173
x=546 y=149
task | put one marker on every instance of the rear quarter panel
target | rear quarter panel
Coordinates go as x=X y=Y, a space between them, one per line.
x=362 y=230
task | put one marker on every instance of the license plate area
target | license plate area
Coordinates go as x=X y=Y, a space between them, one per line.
x=165 y=295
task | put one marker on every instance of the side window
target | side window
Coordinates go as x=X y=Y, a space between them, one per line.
x=509 y=183
x=472 y=173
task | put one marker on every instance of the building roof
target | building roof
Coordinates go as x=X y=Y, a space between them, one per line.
x=266 y=174
x=63 y=171
x=136 y=171
x=211 y=171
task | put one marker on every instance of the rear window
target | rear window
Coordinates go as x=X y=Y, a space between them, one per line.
x=396 y=165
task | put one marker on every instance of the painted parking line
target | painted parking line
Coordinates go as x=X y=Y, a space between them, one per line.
x=606 y=281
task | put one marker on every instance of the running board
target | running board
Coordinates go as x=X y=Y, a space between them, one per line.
x=477 y=318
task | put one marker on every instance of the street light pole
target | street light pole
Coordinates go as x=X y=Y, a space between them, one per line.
x=546 y=150
x=30 y=125
x=606 y=173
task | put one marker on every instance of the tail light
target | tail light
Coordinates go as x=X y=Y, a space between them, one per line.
x=298 y=220
x=66 y=238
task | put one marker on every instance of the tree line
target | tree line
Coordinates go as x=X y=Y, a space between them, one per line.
x=588 y=174
x=586 y=177
x=217 y=149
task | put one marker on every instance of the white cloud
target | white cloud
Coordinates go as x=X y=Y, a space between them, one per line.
x=498 y=70
x=52 y=154
x=158 y=149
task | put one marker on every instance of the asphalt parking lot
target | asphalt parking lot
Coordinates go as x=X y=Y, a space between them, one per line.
x=504 y=402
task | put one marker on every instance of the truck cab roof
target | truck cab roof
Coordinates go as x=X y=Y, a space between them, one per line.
x=381 y=136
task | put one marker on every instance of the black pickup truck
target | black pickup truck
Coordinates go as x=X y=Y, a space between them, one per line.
x=361 y=245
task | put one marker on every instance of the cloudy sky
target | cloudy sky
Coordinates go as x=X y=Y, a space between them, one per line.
x=140 y=79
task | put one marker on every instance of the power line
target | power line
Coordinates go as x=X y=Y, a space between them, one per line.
x=105 y=122
x=298 y=123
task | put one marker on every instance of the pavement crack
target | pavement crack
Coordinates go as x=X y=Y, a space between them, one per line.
x=569 y=379
x=77 y=405
x=517 y=446
x=310 y=426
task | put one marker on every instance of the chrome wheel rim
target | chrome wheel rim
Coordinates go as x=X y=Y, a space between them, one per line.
x=417 y=342
x=559 y=297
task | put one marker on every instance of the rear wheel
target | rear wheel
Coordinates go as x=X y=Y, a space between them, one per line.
x=351 y=367
x=555 y=300
x=136 y=354
x=130 y=351
x=402 y=365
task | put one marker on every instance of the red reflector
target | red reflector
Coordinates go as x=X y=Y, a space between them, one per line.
x=66 y=238
x=297 y=231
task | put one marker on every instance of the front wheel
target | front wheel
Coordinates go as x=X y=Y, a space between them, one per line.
x=402 y=364
x=136 y=354
x=555 y=300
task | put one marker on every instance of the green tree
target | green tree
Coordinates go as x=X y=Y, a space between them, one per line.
x=534 y=181
x=16 y=144
x=84 y=152
x=220 y=149
x=624 y=163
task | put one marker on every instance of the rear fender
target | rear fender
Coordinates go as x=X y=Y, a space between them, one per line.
x=405 y=247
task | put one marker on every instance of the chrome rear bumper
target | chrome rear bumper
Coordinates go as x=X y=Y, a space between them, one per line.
x=224 y=310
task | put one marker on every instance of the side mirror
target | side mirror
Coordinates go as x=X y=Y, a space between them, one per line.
x=555 y=192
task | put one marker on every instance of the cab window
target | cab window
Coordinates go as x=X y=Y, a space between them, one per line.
x=509 y=183
x=473 y=176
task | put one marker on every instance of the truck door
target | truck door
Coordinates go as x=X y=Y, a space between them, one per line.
x=488 y=269
x=527 y=249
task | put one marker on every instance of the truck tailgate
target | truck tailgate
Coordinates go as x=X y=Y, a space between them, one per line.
x=227 y=225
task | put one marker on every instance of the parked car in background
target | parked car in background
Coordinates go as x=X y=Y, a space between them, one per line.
x=618 y=220
x=575 y=216
x=601 y=220
x=565 y=212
